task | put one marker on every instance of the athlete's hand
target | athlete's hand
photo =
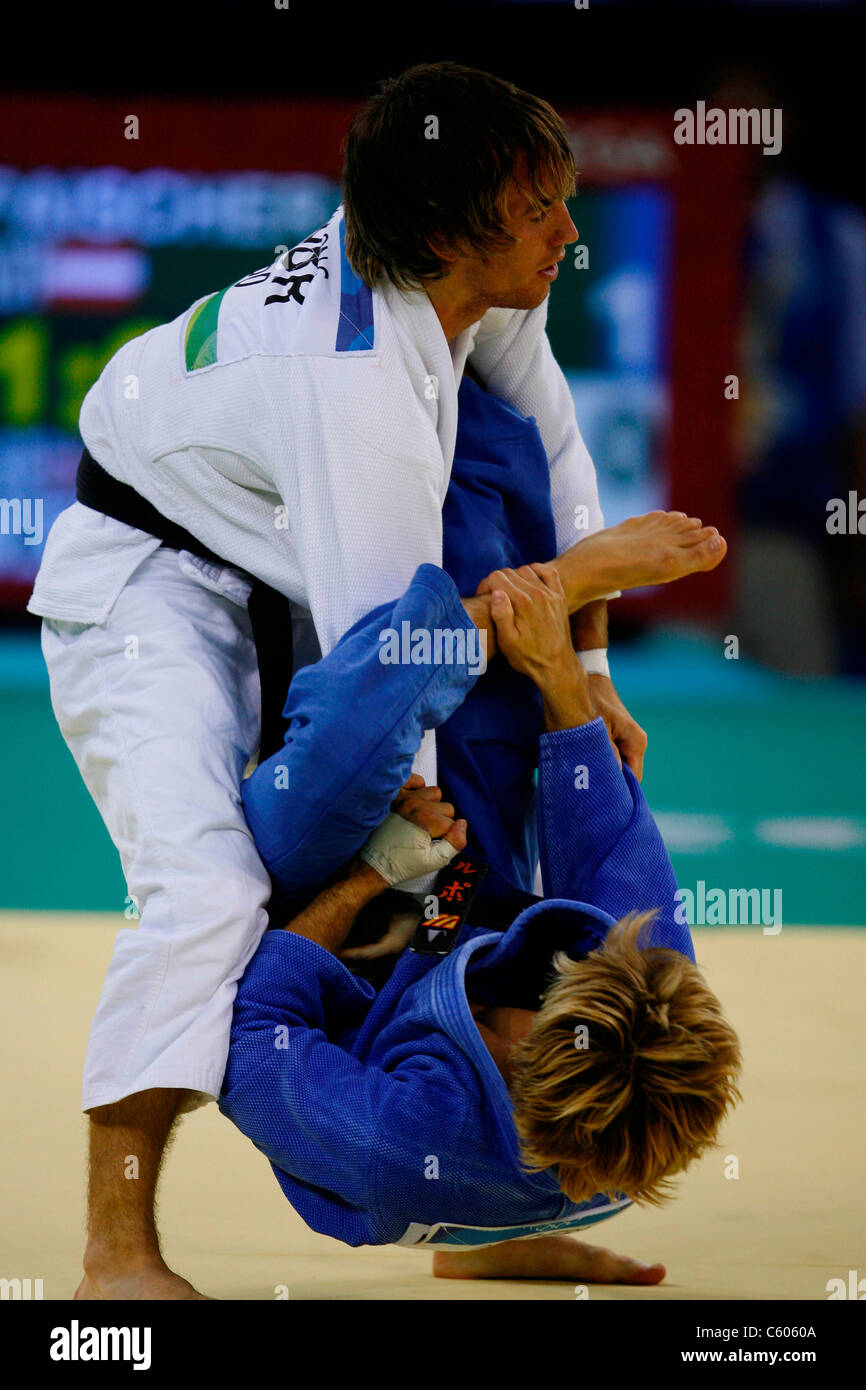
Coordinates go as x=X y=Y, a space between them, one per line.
x=530 y=612
x=399 y=932
x=628 y=738
x=419 y=837
x=424 y=807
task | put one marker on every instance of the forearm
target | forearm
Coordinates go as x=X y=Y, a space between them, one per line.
x=565 y=695
x=589 y=626
x=329 y=917
x=578 y=772
x=598 y=841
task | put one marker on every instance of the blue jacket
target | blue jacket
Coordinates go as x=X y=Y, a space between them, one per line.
x=383 y=1116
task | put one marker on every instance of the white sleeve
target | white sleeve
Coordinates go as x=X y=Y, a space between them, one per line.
x=514 y=359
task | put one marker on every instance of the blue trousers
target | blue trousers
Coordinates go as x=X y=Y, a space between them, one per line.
x=497 y=514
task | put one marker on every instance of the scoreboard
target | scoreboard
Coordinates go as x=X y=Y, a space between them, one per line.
x=103 y=237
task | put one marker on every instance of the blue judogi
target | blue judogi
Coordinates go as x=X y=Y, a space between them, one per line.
x=383 y=1116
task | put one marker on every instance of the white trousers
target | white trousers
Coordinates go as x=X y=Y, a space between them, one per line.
x=159 y=706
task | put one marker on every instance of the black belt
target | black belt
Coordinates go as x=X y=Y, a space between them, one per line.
x=270 y=611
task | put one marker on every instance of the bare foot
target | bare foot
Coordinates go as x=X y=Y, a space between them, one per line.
x=644 y=550
x=652 y=549
x=154 y=1282
x=545 y=1257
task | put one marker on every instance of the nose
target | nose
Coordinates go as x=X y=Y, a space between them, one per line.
x=566 y=232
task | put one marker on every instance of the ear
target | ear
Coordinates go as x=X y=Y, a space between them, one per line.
x=447 y=253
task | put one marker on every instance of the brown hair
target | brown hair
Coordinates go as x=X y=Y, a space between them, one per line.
x=648 y=1092
x=404 y=192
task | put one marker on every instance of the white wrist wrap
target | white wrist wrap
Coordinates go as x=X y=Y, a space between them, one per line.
x=595 y=662
x=399 y=850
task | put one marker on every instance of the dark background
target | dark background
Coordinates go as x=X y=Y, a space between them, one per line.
x=809 y=53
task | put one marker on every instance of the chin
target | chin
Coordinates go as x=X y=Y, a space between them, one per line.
x=539 y=292
x=528 y=298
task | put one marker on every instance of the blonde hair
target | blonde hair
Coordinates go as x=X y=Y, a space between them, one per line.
x=647 y=1093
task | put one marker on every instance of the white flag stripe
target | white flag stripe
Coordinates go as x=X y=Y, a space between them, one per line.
x=96 y=273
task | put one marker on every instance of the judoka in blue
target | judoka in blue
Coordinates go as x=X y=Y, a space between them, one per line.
x=365 y=1090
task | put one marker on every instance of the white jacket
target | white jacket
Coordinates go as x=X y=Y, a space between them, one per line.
x=302 y=427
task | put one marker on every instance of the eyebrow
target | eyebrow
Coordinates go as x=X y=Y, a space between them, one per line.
x=533 y=197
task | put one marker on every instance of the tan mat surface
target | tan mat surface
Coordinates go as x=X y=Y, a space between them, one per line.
x=794 y=1218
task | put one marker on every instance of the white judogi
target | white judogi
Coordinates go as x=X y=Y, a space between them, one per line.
x=302 y=427
x=160 y=708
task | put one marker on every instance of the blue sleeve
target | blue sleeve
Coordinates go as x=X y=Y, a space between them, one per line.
x=598 y=841
x=356 y=721
x=311 y=1107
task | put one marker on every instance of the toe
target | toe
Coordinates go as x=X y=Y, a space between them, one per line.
x=606 y=1267
x=709 y=553
x=640 y=1273
x=696 y=535
x=706 y=539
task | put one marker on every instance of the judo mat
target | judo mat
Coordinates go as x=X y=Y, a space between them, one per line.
x=774 y=1213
